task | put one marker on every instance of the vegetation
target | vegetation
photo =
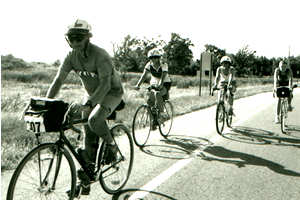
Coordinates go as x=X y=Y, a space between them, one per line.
x=16 y=142
x=131 y=56
x=19 y=83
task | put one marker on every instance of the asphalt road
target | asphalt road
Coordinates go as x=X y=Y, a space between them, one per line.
x=254 y=160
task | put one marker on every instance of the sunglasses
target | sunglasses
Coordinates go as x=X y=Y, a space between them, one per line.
x=154 y=57
x=77 y=38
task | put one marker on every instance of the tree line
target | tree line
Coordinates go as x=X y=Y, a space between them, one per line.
x=131 y=56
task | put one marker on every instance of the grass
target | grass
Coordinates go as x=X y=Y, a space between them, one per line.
x=16 y=142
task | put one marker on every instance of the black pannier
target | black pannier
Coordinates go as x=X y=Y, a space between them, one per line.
x=51 y=111
x=283 y=92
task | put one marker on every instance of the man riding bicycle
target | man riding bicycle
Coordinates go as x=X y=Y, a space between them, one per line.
x=283 y=76
x=103 y=90
x=160 y=80
x=225 y=77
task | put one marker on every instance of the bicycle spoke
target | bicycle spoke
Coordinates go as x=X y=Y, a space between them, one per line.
x=114 y=176
x=141 y=125
x=166 y=119
x=35 y=177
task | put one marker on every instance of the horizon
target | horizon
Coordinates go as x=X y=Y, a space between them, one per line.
x=34 y=30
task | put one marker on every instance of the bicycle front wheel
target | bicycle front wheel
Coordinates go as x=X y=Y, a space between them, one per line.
x=47 y=172
x=166 y=119
x=283 y=115
x=220 y=118
x=228 y=120
x=141 y=125
x=114 y=176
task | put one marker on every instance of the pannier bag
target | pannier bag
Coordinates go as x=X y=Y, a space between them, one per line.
x=283 y=92
x=45 y=115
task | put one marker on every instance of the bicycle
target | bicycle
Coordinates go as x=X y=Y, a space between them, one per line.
x=222 y=111
x=283 y=93
x=48 y=171
x=147 y=117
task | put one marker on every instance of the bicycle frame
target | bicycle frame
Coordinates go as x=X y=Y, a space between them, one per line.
x=63 y=140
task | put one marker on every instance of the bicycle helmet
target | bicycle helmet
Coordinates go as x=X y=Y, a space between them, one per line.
x=154 y=53
x=80 y=27
x=225 y=59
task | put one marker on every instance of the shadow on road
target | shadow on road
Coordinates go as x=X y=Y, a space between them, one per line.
x=293 y=128
x=260 y=136
x=245 y=159
x=177 y=147
x=151 y=195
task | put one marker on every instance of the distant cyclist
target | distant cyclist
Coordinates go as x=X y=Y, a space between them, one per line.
x=103 y=91
x=160 y=79
x=283 y=76
x=225 y=76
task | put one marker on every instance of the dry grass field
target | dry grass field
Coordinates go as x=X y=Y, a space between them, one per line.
x=18 y=86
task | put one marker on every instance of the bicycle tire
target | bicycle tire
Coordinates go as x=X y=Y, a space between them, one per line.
x=283 y=115
x=30 y=170
x=166 y=124
x=141 y=125
x=220 y=117
x=110 y=179
x=228 y=120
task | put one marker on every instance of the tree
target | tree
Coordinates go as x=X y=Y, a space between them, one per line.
x=131 y=55
x=178 y=54
x=245 y=62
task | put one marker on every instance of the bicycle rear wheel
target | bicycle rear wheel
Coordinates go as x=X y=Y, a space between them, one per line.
x=46 y=172
x=166 y=119
x=283 y=115
x=220 y=118
x=141 y=125
x=114 y=176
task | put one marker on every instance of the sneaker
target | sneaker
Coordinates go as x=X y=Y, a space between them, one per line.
x=290 y=108
x=80 y=190
x=110 y=154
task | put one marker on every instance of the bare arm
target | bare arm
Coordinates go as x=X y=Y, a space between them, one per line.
x=142 y=78
x=217 y=77
x=231 y=76
x=275 y=79
x=291 y=79
x=57 y=83
x=162 y=79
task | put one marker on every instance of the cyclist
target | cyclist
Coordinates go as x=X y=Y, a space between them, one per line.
x=103 y=92
x=225 y=76
x=283 y=76
x=160 y=80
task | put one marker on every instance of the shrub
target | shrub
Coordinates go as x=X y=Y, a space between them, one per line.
x=9 y=62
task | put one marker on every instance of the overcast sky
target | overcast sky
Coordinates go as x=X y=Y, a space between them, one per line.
x=34 y=29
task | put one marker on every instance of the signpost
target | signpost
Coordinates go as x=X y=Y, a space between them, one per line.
x=205 y=68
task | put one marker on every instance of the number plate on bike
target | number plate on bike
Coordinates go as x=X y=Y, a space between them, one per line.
x=35 y=124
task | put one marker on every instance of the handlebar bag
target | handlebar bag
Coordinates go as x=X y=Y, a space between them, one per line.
x=45 y=115
x=283 y=92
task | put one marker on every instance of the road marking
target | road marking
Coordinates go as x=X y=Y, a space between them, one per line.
x=158 y=180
